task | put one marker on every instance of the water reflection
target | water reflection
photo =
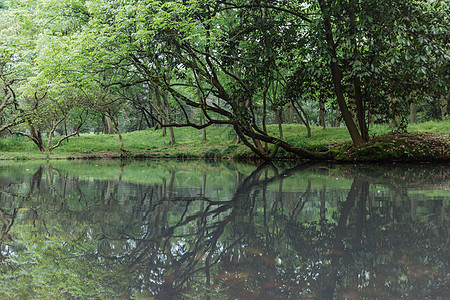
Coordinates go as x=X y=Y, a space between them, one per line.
x=169 y=230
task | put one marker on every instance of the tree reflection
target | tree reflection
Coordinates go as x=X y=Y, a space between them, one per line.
x=270 y=239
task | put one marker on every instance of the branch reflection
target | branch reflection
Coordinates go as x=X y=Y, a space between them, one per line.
x=277 y=233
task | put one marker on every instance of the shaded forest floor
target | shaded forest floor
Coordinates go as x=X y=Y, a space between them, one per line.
x=428 y=141
x=399 y=147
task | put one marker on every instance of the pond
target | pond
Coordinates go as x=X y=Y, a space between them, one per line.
x=198 y=230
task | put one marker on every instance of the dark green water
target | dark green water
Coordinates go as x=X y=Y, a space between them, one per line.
x=197 y=230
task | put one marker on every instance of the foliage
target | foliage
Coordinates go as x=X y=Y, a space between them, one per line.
x=240 y=63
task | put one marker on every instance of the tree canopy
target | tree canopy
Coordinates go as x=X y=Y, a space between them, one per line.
x=235 y=63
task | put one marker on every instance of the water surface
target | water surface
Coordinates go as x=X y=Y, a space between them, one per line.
x=197 y=230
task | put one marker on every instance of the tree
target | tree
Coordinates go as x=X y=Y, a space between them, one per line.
x=44 y=97
x=9 y=115
x=11 y=112
x=46 y=115
x=239 y=61
x=382 y=50
x=168 y=57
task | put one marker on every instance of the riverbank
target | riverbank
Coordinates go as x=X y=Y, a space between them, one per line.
x=428 y=141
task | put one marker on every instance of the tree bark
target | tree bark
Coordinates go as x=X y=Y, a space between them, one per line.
x=164 y=112
x=290 y=113
x=202 y=122
x=360 y=110
x=37 y=138
x=168 y=117
x=337 y=77
x=448 y=106
x=360 y=107
x=107 y=125
x=322 y=114
x=116 y=126
x=394 y=120
x=172 y=135
x=147 y=121
x=264 y=114
x=304 y=118
x=279 y=116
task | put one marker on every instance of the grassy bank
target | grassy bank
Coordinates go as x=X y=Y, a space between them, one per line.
x=424 y=141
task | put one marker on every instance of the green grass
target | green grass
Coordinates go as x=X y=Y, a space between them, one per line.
x=189 y=144
x=431 y=126
x=146 y=140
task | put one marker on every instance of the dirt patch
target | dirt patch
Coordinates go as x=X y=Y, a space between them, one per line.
x=401 y=147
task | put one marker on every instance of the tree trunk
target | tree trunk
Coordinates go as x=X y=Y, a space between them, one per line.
x=322 y=114
x=172 y=135
x=360 y=107
x=107 y=125
x=264 y=114
x=303 y=117
x=116 y=126
x=337 y=77
x=445 y=106
x=360 y=110
x=147 y=121
x=448 y=106
x=259 y=145
x=168 y=118
x=346 y=115
x=160 y=109
x=279 y=115
x=202 y=121
x=244 y=131
x=290 y=114
x=394 y=120
x=37 y=138
x=237 y=138
x=122 y=146
x=337 y=119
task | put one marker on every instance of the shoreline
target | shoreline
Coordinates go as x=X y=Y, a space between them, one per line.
x=394 y=148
